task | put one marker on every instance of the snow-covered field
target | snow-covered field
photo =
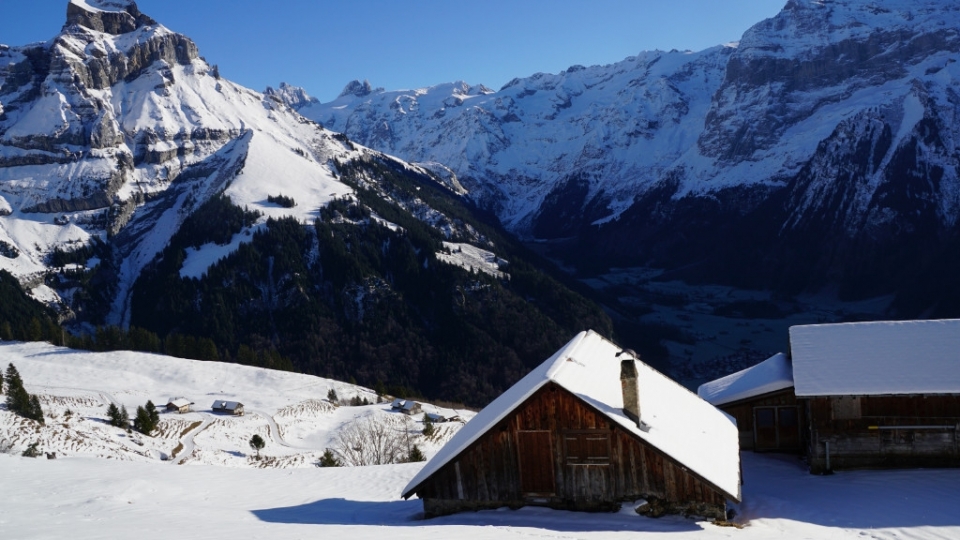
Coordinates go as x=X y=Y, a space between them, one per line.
x=103 y=484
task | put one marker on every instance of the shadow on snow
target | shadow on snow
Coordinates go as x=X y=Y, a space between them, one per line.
x=408 y=513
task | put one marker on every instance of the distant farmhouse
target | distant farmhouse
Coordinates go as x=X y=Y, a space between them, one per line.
x=589 y=428
x=179 y=405
x=406 y=406
x=231 y=407
x=872 y=394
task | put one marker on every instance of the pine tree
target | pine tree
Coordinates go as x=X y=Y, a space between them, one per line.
x=415 y=455
x=115 y=416
x=256 y=442
x=154 y=414
x=331 y=396
x=428 y=429
x=34 y=411
x=142 y=422
x=6 y=331
x=124 y=421
x=18 y=400
x=329 y=460
x=13 y=384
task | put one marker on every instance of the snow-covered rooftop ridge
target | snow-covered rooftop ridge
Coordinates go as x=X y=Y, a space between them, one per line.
x=876 y=358
x=682 y=425
x=774 y=373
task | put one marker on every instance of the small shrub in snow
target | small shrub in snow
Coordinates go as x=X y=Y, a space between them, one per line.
x=257 y=443
x=329 y=460
x=32 y=451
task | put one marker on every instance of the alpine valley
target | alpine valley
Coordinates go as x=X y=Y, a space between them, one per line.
x=818 y=153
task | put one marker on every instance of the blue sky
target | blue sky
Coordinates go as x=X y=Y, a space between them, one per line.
x=324 y=44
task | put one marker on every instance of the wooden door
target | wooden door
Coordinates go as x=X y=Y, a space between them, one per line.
x=536 y=462
x=776 y=428
x=788 y=428
x=765 y=428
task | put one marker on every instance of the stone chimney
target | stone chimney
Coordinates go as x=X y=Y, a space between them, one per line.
x=628 y=384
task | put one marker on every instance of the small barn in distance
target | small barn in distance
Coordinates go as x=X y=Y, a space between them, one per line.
x=588 y=429
x=230 y=407
x=880 y=394
x=179 y=405
x=406 y=406
x=762 y=400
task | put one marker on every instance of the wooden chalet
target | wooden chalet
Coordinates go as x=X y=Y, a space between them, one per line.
x=871 y=394
x=179 y=405
x=879 y=394
x=586 y=430
x=762 y=400
x=406 y=406
x=230 y=407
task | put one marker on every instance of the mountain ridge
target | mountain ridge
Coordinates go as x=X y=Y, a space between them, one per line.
x=825 y=121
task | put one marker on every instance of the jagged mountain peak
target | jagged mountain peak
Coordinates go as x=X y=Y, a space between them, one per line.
x=357 y=88
x=109 y=16
x=293 y=96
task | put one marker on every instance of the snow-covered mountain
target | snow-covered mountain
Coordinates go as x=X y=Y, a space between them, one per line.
x=139 y=188
x=834 y=122
x=117 y=129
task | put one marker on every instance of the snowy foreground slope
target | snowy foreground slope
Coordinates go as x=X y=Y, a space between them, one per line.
x=217 y=492
x=288 y=410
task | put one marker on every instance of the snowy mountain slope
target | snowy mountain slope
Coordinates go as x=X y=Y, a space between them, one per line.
x=290 y=411
x=512 y=147
x=117 y=130
x=105 y=128
x=833 y=122
x=104 y=484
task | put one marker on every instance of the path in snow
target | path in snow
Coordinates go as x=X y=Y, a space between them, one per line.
x=186 y=440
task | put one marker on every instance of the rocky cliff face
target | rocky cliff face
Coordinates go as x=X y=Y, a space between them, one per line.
x=827 y=136
x=116 y=130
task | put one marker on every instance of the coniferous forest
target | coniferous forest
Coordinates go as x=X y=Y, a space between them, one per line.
x=359 y=294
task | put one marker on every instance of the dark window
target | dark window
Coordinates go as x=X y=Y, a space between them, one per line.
x=765 y=418
x=788 y=417
x=587 y=447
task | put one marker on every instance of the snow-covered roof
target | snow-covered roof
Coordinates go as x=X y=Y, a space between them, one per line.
x=874 y=358
x=179 y=402
x=226 y=405
x=683 y=426
x=774 y=373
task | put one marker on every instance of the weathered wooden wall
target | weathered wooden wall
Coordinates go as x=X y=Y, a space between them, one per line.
x=863 y=431
x=555 y=450
x=743 y=412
